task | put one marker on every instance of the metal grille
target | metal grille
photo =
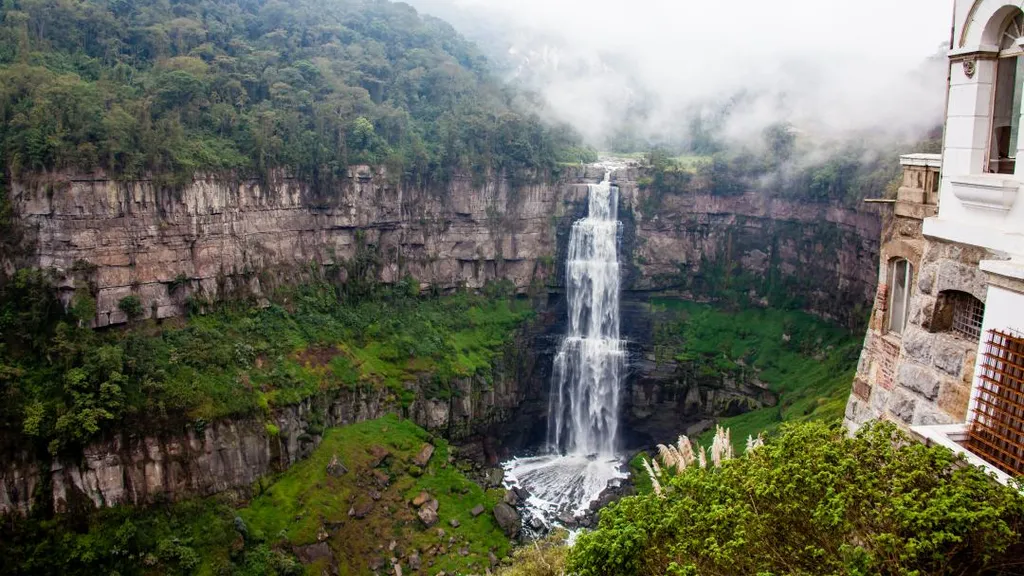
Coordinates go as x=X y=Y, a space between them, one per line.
x=968 y=312
x=997 y=431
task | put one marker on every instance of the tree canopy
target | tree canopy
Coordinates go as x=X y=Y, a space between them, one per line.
x=170 y=87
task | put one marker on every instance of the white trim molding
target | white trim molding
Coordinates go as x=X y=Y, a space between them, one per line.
x=995 y=192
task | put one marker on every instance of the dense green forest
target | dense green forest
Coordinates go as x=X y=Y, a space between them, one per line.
x=167 y=88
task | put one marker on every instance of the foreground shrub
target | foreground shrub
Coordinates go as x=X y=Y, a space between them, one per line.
x=814 y=501
x=540 y=558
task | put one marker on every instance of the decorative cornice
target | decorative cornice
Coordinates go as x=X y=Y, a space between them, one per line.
x=974 y=53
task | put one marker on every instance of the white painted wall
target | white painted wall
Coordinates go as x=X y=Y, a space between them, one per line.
x=1004 y=310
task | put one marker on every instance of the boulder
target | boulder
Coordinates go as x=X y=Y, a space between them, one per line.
x=420 y=499
x=414 y=561
x=477 y=510
x=423 y=457
x=428 y=516
x=313 y=552
x=494 y=477
x=508 y=519
x=432 y=504
x=454 y=522
x=361 y=509
x=378 y=454
x=511 y=498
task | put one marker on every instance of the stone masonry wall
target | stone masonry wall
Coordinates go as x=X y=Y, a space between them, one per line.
x=922 y=376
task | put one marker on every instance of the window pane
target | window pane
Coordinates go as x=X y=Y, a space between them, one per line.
x=1015 y=112
x=1006 y=115
x=898 y=310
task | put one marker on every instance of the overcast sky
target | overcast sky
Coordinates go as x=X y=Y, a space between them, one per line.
x=828 y=65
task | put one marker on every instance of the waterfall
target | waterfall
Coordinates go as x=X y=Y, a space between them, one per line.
x=583 y=408
x=583 y=411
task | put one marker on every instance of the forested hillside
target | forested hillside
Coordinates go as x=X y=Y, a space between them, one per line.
x=165 y=88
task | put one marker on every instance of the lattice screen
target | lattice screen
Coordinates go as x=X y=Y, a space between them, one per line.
x=997 y=432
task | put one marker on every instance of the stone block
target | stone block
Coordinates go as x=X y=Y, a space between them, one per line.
x=903 y=406
x=879 y=400
x=861 y=389
x=917 y=345
x=929 y=414
x=949 y=356
x=919 y=379
x=954 y=398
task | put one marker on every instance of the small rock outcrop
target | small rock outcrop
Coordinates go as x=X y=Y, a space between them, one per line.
x=378 y=454
x=423 y=457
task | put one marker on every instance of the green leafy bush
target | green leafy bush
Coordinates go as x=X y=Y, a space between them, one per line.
x=815 y=501
x=131 y=306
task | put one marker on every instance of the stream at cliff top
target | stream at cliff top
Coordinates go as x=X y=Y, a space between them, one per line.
x=580 y=460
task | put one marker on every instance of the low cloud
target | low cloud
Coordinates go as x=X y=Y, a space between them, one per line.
x=828 y=68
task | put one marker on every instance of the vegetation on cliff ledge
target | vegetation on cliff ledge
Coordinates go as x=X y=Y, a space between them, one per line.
x=170 y=88
x=815 y=501
x=806 y=362
x=307 y=514
x=63 y=383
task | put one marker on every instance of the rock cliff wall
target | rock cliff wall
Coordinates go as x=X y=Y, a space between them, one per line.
x=217 y=236
x=816 y=257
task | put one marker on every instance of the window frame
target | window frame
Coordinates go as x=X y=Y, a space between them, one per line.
x=1011 y=53
x=908 y=278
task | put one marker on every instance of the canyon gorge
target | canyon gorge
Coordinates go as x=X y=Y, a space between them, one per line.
x=216 y=239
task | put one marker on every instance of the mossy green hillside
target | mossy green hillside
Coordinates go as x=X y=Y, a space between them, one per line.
x=806 y=362
x=298 y=505
x=301 y=506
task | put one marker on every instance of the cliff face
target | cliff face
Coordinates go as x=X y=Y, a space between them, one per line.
x=786 y=253
x=215 y=236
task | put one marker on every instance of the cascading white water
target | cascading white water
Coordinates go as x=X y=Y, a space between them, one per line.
x=583 y=409
x=583 y=413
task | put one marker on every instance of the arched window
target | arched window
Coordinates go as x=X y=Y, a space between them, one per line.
x=1006 y=109
x=900 y=274
x=959 y=313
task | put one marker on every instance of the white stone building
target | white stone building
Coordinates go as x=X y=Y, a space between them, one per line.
x=944 y=353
